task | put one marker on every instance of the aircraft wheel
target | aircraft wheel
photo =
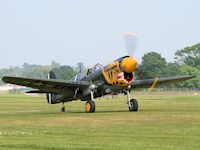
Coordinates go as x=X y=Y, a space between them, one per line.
x=62 y=109
x=133 y=105
x=90 y=106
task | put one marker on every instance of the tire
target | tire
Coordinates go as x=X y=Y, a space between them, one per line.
x=62 y=109
x=90 y=106
x=133 y=106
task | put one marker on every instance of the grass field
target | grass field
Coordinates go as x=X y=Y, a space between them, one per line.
x=165 y=120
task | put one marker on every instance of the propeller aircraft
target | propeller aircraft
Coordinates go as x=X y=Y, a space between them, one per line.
x=114 y=78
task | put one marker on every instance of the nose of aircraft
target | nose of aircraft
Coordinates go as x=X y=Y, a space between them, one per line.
x=129 y=64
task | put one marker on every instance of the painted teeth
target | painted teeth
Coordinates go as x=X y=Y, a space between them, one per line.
x=120 y=76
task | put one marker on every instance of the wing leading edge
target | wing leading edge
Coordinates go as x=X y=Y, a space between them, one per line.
x=47 y=85
x=61 y=86
x=159 y=81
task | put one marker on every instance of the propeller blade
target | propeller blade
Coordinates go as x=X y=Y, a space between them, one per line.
x=153 y=85
x=138 y=73
x=131 y=40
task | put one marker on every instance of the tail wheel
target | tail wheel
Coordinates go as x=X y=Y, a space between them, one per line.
x=90 y=106
x=133 y=105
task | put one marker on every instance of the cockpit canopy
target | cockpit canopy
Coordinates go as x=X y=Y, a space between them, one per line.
x=87 y=72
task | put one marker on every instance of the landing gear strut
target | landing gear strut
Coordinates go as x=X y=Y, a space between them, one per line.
x=132 y=103
x=90 y=104
x=63 y=107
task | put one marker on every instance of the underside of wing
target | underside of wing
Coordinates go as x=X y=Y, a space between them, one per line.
x=47 y=85
x=159 y=81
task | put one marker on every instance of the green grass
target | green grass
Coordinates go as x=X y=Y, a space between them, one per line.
x=165 y=120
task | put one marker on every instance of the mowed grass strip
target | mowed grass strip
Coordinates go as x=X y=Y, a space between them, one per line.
x=165 y=120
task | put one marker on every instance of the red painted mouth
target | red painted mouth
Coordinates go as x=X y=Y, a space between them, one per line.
x=126 y=77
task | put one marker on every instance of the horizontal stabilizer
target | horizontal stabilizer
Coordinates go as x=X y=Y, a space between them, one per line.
x=36 y=91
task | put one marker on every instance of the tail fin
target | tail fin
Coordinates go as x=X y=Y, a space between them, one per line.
x=51 y=97
x=51 y=75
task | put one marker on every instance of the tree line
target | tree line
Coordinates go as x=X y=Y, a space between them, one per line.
x=41 y=71
x=186 y=62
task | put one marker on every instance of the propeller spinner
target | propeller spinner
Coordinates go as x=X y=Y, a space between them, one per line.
x=129 y=64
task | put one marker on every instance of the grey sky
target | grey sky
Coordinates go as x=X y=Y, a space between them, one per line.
x=89 y=31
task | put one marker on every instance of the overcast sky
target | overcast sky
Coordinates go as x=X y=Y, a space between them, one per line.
x=89 y=31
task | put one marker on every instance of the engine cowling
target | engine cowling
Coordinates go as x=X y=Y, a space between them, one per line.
x=120 y=72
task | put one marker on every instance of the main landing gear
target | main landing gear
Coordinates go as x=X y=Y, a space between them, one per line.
x=132 y=103
x=90 y=104
x=63 y=107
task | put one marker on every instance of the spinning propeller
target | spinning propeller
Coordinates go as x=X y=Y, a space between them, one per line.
x=129 y=64
x=131 y=40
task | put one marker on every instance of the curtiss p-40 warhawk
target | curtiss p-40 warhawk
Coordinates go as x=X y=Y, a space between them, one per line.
x=114 y=78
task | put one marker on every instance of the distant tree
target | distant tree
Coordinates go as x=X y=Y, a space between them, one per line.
x=189 y=60
x=172 y=69
x=137 y=73
x=189 y=70
x=55 y=64
x=26 y=66
x=80 y=67
x=35 y=71
x=153 y=65
x=12 y=71
x=41 y=72
x=64 y=72
x=189 y=56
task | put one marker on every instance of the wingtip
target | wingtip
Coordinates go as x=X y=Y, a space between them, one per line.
x=192 y=76
x=5 y=79
x=189 y=76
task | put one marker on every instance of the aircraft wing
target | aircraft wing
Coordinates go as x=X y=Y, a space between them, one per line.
x=47 y=85
x=159 y=81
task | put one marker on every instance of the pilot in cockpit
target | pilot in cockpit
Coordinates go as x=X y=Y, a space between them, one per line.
x=89 y=71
